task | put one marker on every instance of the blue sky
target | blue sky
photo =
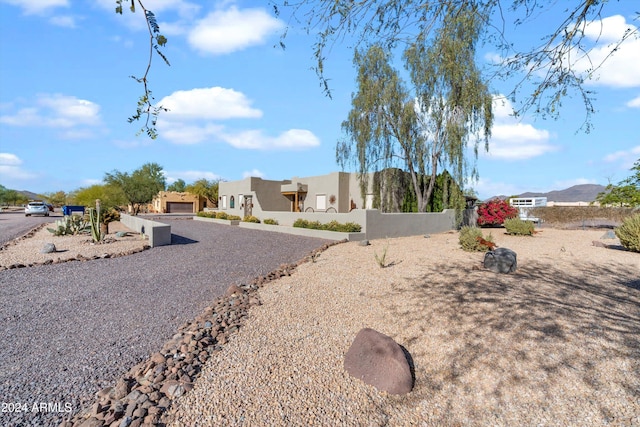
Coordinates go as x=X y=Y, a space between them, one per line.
x=242 y=107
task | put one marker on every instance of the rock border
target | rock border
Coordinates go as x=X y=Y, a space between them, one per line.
x=144 y=394
x=78 y=257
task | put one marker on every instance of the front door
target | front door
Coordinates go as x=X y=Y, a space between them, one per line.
x=248 y=205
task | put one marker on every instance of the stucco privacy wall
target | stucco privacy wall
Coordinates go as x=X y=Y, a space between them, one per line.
x=377 y=225
x=159 y=234
x=382 y=225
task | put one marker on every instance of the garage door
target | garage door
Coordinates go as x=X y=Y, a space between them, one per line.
x=179 y=207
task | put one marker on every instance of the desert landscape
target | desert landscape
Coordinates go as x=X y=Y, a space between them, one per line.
x=555 y=343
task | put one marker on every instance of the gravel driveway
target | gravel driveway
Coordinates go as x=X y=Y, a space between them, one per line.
x=71 y=329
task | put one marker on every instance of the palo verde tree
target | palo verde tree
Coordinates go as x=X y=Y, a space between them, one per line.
x=110 y=195
x=448 y=106
x=626 y=193
x=139 y=187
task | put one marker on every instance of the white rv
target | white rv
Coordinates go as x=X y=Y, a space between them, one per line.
x=525 y=204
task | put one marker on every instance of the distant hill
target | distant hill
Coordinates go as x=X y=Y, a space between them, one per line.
x=30 y=195
x=577 y=193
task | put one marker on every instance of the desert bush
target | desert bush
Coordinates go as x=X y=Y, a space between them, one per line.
x=221 y=215
x=519 y=227
x=233 y=218
x=557 y=215
x=251 y=218
x=270 y=221
x=494 y=212
x=109 y=215
x=472 y=240
x=629 y=233
x=206 y=214
x=349 y=227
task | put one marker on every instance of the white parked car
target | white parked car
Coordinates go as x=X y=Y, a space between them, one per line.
x=36 y=208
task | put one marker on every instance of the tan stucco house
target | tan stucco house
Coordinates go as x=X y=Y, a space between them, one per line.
x=337 y=192
x=177 y=202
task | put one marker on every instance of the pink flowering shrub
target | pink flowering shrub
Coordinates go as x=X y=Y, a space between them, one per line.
x=495 y=211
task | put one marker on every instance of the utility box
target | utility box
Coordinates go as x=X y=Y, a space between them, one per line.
x=69 y=210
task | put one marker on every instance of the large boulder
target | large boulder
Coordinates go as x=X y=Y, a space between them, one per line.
x=379 y=361
x=501 y=260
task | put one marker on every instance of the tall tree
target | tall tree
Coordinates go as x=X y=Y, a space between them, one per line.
x=178 y=185
x=430 y=126
x=205 y=188
x=141 y=186
x=110 y=195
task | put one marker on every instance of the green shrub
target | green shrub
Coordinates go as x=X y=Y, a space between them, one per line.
x=109 y=215
x=270 y=221
x=251 y=218
x=349 y=227
x=206 y=214
x=519 y=227
x=629 y=233
x=472 y=240
x=221 y=215
x=233 y=218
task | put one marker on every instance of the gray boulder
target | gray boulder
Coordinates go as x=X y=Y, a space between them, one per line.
x=501 y=260
x=48 y=248
x=379 y=361
x=609 y=235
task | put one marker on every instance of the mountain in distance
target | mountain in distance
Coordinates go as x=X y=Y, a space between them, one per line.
x=577 y=193
x=30 y=195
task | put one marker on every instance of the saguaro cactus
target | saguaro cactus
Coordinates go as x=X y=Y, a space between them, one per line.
x=94 y=219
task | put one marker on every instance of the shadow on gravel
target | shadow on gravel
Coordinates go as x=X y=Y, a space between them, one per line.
x=181 y=240
x=532 y=333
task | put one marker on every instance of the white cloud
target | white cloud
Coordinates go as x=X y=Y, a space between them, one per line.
x=621 y=68
x=486 y=188
x=11 y=169
x=56 y=111
x=63 y=21
x=634 y=103
x=626 y=158
x=253 y=173
x=226 y=31
x=30 y=7
x=8 y=159
x=186 y=133
x=513 y=140
x=213 y=103
x=193 y=115
x=255 y=139
x=190 y=176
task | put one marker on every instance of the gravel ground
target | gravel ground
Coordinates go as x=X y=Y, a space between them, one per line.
x=557 y=343
x=71 y=329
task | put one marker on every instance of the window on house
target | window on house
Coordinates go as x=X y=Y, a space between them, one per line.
x=232 y=203
x=321 y=202
x=224 y=202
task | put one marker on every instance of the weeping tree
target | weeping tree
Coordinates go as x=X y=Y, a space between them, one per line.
x=428 y=126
